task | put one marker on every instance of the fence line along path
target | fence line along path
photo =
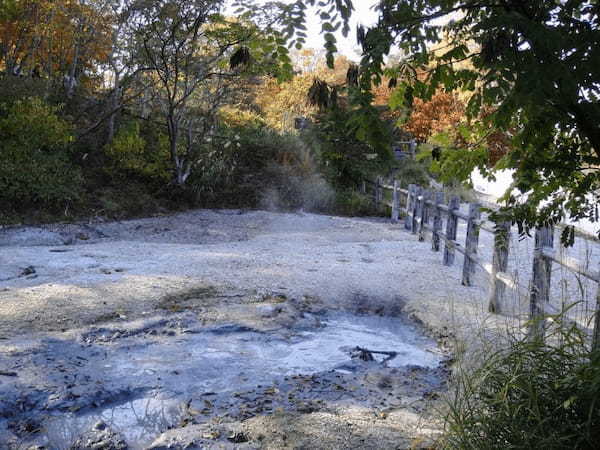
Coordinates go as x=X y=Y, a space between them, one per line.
x=427 y=213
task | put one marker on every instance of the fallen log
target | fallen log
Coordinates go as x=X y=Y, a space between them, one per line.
x=365 y=354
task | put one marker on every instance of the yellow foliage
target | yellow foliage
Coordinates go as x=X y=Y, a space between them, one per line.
x=233 y=116
x=281 y=103
x=48 y=35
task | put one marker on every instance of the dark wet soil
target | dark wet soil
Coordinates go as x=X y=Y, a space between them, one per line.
x=125 y=385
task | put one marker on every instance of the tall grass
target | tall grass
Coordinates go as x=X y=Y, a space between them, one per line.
x=528 y=395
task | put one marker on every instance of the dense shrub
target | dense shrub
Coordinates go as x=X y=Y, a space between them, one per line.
x=14 y=88
x=412 y=172
x=141 y=151
x=346 y=160
x=349 y=202
x=35 y=165
x=261 y=168
x=529 y=395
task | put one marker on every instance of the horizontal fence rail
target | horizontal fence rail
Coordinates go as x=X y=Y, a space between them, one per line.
x=424 y=212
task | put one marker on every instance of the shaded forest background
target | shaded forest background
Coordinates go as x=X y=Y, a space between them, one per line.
x=118 y=109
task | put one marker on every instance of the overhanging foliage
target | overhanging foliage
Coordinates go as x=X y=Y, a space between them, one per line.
x=534 y=64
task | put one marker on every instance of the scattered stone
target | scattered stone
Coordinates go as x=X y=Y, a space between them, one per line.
x=29 y=270
x=238 y=437
x=100 y=426
x=211 y=435
x=100 y=437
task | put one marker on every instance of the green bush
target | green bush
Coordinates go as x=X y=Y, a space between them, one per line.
x=412 y=172
x=140 y=151
x=346 y=160
x=253 y=166
x=14 y=88
x=530 y=395
x=127 y=200
x=35 y=166
x=352 y=203
x=257 y=167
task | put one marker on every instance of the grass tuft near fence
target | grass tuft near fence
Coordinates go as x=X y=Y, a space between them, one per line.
x=529 y=394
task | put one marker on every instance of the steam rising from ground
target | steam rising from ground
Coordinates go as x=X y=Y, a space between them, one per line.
x=310 y=193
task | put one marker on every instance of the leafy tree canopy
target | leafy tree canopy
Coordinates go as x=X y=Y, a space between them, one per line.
x=534 y=69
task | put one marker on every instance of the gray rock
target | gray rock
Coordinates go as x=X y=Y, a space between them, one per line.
x=100 y=437
x=269 y=310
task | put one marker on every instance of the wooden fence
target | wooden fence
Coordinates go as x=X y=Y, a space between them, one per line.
x=426 y=211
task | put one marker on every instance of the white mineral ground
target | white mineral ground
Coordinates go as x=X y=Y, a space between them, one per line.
x=62 y=277
x=128 y=266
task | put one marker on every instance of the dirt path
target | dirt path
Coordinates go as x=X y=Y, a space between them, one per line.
x=129 y=268
x=80 y=302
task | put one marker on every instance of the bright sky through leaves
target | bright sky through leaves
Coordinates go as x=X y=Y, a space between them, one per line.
x=363 y=14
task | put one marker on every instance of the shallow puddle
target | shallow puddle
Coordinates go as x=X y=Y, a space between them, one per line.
x=139 y=421
x=167 y=372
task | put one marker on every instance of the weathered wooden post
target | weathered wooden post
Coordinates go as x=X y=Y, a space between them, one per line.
x=540 y=282
x=409 y=206
x=424 y=214
x=471 y=243
x=437 y=221
x=499 y=264
x=416 y=210
x=395 y=202
x=380 y=191
x=596 y=335
x=451 y=226
x=363 y=187
x=376 y=194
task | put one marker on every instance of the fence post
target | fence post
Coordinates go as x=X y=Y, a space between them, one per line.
x=424 y=215
x=416 y=209
x=409 y=205
x=395 y=202
x=363 y=187
x=437 y=221
x=471 y=243
x=451 y=225
x=540 y=282
x=376 y=193
x=499 y=264
x=596 y=335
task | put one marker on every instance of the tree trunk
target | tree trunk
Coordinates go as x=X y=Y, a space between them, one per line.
x=71 y=77
x=114 y=103
x=173 y=131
